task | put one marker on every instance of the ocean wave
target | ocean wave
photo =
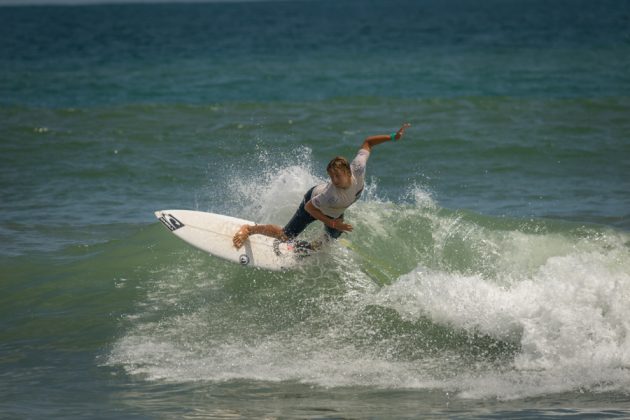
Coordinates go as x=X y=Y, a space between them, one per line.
x=418 y=296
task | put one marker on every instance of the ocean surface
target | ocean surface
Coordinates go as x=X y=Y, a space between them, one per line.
x=488 y=274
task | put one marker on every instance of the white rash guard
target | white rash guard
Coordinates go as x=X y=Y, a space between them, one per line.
x=333 y=201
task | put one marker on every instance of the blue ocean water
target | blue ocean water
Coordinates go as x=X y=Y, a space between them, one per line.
x=488 y=275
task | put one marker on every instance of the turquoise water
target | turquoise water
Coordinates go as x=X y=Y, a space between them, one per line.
x=488 y=275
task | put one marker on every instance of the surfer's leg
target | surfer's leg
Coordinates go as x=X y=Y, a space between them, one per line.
x=300 y=220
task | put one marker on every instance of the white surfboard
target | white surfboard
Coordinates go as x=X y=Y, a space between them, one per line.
x=213 y=233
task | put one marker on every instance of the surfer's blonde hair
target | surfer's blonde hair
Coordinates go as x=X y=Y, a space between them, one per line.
x=339 y=163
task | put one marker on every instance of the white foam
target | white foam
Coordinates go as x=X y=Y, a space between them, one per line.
x=571 y=319
x=296 y=357
x=421 y=197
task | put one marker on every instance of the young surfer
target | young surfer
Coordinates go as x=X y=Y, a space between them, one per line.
x=325 y=202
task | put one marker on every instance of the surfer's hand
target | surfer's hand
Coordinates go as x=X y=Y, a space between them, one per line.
x=241 y=236
x=401 y=131
x=340 y=225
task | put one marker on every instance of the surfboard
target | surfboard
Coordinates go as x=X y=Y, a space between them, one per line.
x=213 y=233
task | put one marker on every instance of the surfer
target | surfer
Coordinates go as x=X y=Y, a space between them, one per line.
x=325 y=202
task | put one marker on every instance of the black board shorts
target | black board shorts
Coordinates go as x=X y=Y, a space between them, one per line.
x=301 y=219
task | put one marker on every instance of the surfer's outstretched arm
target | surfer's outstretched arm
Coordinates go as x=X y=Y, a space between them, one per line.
x=372 y=141
x=245 y=231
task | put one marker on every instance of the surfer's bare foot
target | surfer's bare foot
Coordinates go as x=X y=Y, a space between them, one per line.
x=241 y=236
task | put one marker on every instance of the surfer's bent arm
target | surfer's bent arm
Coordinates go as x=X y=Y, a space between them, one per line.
x=372 y=141
x=337 y=224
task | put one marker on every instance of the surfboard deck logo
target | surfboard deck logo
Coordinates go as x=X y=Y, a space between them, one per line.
x=170 y=222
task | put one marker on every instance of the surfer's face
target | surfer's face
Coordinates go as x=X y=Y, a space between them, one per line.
x=340 y=178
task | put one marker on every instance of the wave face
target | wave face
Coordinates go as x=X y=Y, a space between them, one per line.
x=417 y=296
